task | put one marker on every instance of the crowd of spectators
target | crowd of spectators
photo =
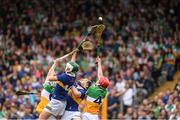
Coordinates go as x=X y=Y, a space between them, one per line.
x=164 y=106
x=140 y=51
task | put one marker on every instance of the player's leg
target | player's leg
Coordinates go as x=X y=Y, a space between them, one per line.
x=52 y=118
x=79 y=118
x=44 y=101
x=88 y=116
x=84 y=117
x=71 y=115
x=42 y=104
x=44 y=115
x=54 y=107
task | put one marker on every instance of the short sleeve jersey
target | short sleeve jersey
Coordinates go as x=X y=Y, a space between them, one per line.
x=94 y=99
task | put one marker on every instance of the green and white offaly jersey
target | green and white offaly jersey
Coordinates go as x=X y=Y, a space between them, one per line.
x=94 y=99
x=49 y=86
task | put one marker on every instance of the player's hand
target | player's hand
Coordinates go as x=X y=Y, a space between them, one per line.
x=98 y=60
x=57 y=61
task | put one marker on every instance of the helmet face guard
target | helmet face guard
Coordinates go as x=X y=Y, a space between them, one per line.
x=69 y=67
x=72 y=68
x=84 y=83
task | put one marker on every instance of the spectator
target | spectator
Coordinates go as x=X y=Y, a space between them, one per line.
x=13 y=114
x=2 y=114
x=113 y=103
x=111 y=86
x=158 y=109
x=141 y=88
x=28 y=114
x=120 y=85
x=139 y=44
x=148 y=85
x=21 y=111
x=170 y=62
x=129 y=114
x=177 y=87
x=170 y=107
x=143 y=115
x=127 y=97
x=2 y=96
x=163 y=114
x=147 y=106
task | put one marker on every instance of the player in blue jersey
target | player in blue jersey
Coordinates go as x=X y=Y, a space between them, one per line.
x=65 y=81
x=75 y=96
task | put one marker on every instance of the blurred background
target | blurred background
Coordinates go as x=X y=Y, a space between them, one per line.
x=140 y=54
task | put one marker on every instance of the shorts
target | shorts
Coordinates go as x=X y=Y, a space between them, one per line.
x=56 y=107
x=52 y=118
x=44 y=101
x=69 y=115
x=89 y=116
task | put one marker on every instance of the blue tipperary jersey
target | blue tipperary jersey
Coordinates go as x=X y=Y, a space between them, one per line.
x=73 y=101
x=61 y=89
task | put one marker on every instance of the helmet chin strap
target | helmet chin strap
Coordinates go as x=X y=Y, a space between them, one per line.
x=79 y=83
x=89 y=84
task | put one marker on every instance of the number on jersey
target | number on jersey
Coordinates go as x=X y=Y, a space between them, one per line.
x=98 y=100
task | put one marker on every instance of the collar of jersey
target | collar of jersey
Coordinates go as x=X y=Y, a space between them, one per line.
x=100 y=86
x=71 y=74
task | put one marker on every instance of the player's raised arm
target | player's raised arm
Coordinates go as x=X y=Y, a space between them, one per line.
x=99 y=71
x=73 y=58
x=101 y=80
x=75 y=91
x=51 y=74
x=51 y=70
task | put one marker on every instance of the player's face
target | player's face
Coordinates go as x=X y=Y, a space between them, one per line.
x=84 y=82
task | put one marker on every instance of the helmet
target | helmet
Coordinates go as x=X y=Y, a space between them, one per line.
x=103 y=82
x=72 y=68
x=85 y=83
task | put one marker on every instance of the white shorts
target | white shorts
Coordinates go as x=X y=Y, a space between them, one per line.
x=69 y=115
x=89 y=116
x=52 y=117
x=56 y=107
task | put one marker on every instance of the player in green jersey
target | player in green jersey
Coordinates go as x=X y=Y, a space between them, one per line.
x=95 y=95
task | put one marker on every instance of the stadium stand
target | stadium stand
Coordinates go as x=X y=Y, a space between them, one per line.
x=141 y=51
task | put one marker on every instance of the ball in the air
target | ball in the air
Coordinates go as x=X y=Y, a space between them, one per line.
x=100 y=18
